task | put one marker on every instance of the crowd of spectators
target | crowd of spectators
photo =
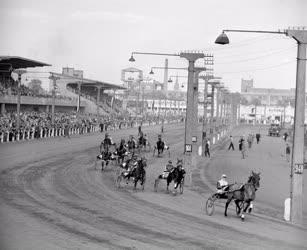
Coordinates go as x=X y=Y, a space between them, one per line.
x=40 y=123
x=7 y=88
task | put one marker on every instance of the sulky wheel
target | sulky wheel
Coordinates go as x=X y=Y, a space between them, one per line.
x=181 y=187
x=210 y=206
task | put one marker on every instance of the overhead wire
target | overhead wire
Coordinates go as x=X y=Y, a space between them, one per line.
x=258 y=69
x=255 y=58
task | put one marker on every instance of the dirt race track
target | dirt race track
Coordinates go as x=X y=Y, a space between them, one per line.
x=52 y=197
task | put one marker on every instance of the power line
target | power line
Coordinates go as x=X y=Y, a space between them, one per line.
x=255 y=58
x=259 y=69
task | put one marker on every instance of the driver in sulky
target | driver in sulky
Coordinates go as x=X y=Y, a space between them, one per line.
x=222 y=185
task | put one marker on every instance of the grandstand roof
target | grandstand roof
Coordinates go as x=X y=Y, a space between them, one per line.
x=17 y=62
x=89 y=82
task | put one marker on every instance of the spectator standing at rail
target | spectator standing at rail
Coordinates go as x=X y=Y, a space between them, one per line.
x=240 y=143
x=207 y=148
x=258 y=138
x=243 y=148
x=140 y=130
x=231 y=144
x=66 y=130
x=288 y=151
x=285 y=136
x=250 y=140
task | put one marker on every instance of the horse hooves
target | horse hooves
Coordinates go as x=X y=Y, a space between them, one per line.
x=242 y=218
x=225 y=215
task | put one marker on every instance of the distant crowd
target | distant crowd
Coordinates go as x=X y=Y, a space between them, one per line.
x=39 y=124
x=11 y=90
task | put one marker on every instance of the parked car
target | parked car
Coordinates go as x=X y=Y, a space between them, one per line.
x=274 y=130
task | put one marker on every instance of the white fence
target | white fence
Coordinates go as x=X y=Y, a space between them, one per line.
x=31 y=134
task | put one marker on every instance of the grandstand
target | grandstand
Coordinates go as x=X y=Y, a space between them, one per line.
x=72 y=83
x=75 y=105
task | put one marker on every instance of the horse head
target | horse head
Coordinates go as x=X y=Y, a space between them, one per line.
x=179 y=162
x=254 y=178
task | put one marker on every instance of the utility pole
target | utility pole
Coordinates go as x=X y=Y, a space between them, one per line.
x=297 y=162
x=190 y=138
x=165 y=89
x=206 y=78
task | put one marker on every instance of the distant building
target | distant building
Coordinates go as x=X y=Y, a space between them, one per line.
x=246 y=85
x=266 y=96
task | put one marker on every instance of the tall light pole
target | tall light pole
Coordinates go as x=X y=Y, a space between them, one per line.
x=214 y=84
x=206 y=78
x=297 y=162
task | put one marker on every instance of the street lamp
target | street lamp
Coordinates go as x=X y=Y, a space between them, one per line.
x=131 y=58
x=297 y=161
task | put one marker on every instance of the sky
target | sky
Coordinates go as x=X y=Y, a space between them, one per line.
x=98 y=36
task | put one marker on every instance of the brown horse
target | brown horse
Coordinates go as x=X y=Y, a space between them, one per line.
x=243 y=194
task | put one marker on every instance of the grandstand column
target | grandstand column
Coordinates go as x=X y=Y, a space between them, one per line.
x=54 y=79
x=19 y=72
x=98 y=99
x=3 y=111
x=79 y=96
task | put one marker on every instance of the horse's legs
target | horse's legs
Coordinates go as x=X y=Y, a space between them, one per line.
x=238 y=206
x=250 y=207
x=226 y=205
x=244 y=210
x=167 y=184
x=247 y=205
x=135 y=182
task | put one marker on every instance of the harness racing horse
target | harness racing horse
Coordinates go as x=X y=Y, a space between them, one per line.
x=243 y=194
x=138 y=173
x=176 y=175
x=160 y=147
